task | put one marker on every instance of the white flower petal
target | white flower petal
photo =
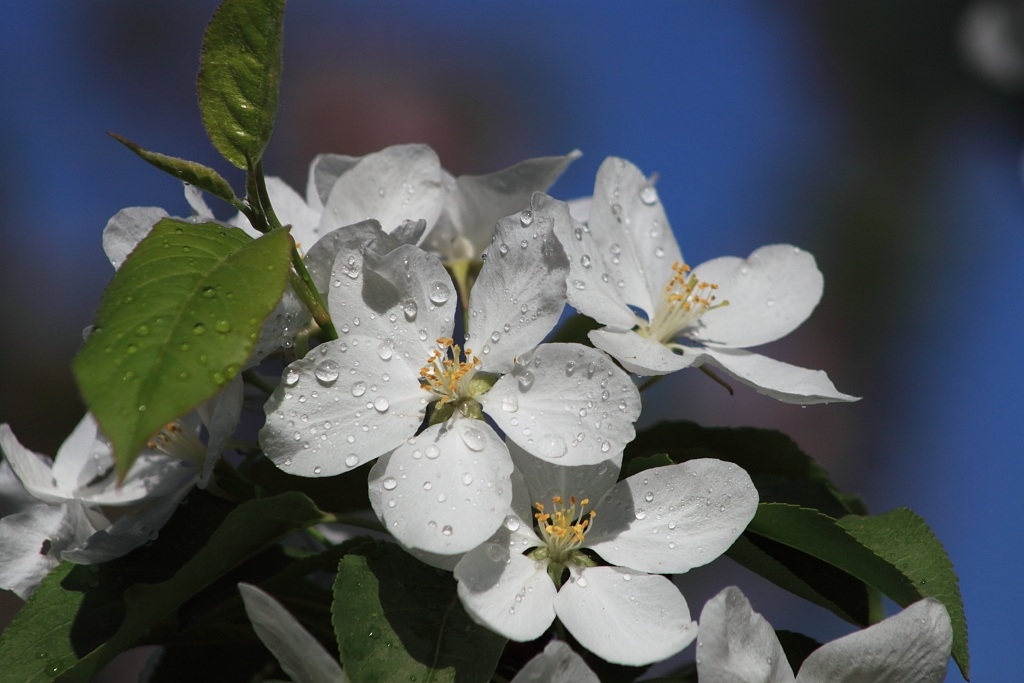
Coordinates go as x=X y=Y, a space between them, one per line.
x=565 y=402
x=556 y=663
x=448 y=489
x=321 y=255
x=639 y=354
x=910 y=647
x=520 y=293
x=291 y=210
x=673 y=518
x=544 y=479
x=82 y=457
x=130 y=531
x=770 y=294
x=150 y=477
x=404 y=299
x=220 y=415
x=280 y=328
x=197 y=202
x=32 y=468
x=781 y=381
x=126 y=229
x=13 y=496
x=334 y=409
x=511 y=594
x=301 y=656
x=625 y=617
x=737 y=645
x=31 y=542
x=393 y=185
x=324 y=171
x=476 y=202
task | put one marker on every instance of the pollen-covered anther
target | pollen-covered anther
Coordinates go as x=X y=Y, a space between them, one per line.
x=565 y=527
x=446 y=373
x=684 y=300
x=178 y=441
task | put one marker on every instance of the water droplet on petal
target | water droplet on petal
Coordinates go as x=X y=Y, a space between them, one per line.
x=381 y=404
x=526 y=218
x=439 y=292
x=770 y=303
x=582 y=581
x=432 y=451
x=585 y=261
x=386 y=350
x=649 y=497
x=467 y=478
x=317 y=470
x=390 y=483
x=447 y=530
x=510 y=404
x=512 y=523
x=474 y=438
x=648 y=195
x=327 y=371
x=640 y=514
x=291 y=377
x=551 y=446
x=526 y=380
x=352 y=461
x=410 y=309
x=358 y=389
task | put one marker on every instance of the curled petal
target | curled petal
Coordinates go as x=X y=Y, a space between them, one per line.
x=641 y=355
x=782 y=381
x=556 y=663
x=737 y=645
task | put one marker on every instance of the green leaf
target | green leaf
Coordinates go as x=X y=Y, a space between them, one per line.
x=247 y=530
x=779 y=469
x=176 y=323
x=396 y=619
x=903 y=539
x=191 y=172
x=895 y=553
x=805 y=576
x=239 y=76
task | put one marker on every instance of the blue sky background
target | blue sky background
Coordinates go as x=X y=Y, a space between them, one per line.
x=853 y=131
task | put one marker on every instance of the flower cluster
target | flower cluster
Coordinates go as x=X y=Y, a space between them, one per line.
x=491 y=451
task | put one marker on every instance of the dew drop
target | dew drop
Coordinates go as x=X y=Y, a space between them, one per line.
x=474 y=438
x=390 y=483
x=526 y=380
x=439 y=292
x=512 y=523
x=209 y=293
x=381 y=404
x=467 y=478
x=770 y=303
x=585 y=261
x=640 y=514
x=579 y=284
x=351 y=461
x=327 y=372
x=410 y=309
x=317 y=469
x=510 y=404
x=142 y=330
x=502 y=248
x=648 y=195
x=582 y=581
x=198 y=329
x=385 y=350
x=526 y=218
x=358 y=389
x=427 y=486
x=432 y=451
x=446 y=530
x=649 y=497
x=551 y=446
x=222 y=326
x=291 y=377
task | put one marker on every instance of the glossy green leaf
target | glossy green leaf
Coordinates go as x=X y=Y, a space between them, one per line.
x=396 y=619
x=177 y=322
x=190 y=172
x=239 y=77
x=903 y=539
x=895 y=553
x=779 y=469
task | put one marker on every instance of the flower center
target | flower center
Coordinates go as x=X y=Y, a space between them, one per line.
x=563 y=530
x=684 y=300
x=178 y=441
x=445 y=373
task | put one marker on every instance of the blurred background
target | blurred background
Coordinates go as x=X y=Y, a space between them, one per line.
x=883 y=137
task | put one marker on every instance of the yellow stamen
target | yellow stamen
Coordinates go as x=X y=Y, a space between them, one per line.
x=445 y=373
x=563 y=529
x=684 y=301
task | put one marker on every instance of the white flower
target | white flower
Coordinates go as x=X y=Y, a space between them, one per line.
x=625 y=259
x=62 y=520
x=556 y=663
x=665 y=520
x=365 y=395
x=737 y=645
